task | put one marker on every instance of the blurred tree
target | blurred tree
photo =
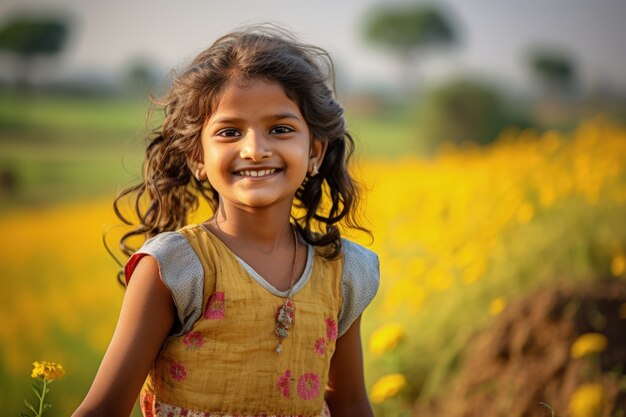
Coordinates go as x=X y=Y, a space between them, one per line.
x=554 y=69
x=28 y=37
x=409 y=30
x=461 y=111
x=555 y=72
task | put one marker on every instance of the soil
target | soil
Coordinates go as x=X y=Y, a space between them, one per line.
x=524 y=357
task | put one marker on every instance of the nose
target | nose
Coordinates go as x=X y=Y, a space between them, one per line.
x=255 y=146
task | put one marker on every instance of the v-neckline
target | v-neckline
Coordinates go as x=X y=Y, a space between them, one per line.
x=297 y=286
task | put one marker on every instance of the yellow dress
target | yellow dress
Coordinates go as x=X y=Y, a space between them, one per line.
x=223 y=360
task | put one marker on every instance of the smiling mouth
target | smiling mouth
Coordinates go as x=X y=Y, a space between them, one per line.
x=256 y=172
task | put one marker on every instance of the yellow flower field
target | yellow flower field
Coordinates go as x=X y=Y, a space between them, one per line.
x=454 y=234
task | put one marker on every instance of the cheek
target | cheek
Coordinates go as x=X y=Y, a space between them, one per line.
x=216 y=167
x=215 y=163
x=300 y=160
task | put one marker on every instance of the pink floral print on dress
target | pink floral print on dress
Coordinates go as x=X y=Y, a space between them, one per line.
x=178 y=371
x=283 y=383
x=193 y=340
x=320 y=346
x=215 y=307
x=147 y=404
x=308 y=386
x=331 y=329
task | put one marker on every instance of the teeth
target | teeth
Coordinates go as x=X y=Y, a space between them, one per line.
x=259 y=173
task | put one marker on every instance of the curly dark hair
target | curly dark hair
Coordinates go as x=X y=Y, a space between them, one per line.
x=169 y=191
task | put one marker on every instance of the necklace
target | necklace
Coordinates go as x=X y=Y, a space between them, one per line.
x=285 y=313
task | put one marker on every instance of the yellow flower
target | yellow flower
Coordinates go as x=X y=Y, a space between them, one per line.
x=587 y=401
x=618 y=264
x=386 y=337
x=387 y=387
x=587 y=344
x=48 y=370
x=525 y=213
x=497 y=305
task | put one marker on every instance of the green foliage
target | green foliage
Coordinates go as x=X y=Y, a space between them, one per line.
x=461 y=111
x=27 y=36
x=554 y=68
x=406 y=29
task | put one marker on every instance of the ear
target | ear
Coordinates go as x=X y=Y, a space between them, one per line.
x=196 y=165
x=316 y=155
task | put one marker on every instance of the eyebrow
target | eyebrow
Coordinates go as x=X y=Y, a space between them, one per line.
x=234 y=120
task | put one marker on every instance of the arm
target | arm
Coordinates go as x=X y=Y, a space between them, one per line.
x=145 y=319
x=345 y=393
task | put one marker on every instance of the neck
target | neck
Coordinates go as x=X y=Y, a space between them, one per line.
x=265 y=229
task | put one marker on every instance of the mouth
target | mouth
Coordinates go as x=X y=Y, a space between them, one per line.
x=256 y=173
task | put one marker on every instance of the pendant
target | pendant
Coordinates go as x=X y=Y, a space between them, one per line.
x=284 y=320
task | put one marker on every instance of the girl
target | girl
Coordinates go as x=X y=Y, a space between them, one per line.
x=255 y=312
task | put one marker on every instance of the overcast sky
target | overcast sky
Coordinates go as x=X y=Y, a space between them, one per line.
x=495 y=34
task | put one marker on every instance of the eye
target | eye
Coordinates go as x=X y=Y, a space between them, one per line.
x=228 y=133
x=281 y=130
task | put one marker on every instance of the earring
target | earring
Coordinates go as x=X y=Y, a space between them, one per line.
x=315 y=170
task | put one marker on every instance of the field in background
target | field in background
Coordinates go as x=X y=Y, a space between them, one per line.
x=460 y=236
x=62 y=149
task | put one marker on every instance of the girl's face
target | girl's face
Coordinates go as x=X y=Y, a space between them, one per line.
x=256 y=145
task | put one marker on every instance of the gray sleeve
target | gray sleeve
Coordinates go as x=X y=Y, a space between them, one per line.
x=359 y=283
x=182 y=274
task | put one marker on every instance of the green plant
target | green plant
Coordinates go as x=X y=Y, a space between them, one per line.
x=44 y=373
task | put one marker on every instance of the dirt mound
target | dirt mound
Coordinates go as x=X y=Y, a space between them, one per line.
x=524 y=357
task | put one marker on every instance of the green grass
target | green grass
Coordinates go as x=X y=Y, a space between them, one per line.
x=63 y=149
x=70 y=114
x=387 y=136
x=52 y=173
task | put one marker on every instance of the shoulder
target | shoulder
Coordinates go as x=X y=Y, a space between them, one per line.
x=358 y=256
x=361 y=269
x=166 y=242
x=168 y=248
x=360 y=282
x=180 y=270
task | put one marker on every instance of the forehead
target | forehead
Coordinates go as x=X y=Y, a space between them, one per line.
x=246 y=95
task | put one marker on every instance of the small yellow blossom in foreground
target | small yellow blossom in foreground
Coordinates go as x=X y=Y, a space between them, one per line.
x=386 y=337
x=497 y=305
x=588 y=344
x=618 y=265
x=587 y=401
x=387 y=387
x=621 y=312
x=49 y=370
